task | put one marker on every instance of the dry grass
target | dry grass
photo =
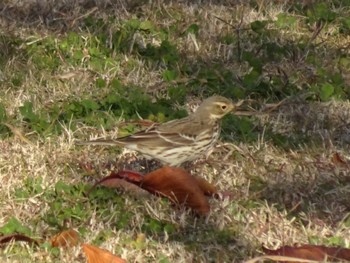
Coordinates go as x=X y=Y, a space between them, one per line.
x=282 y=196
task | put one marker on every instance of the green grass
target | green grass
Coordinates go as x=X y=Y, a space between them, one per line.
x=77 y=72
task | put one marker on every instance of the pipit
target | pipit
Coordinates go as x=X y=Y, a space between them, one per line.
x=181 y=140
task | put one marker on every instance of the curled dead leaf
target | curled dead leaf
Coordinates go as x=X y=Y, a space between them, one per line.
x=177 y=185
x=66 y=238
x=127 y=180
x=117 y=183
x=98 y=255
x=174 y=183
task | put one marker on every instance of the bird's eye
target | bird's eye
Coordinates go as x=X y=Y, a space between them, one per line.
x=223 y=107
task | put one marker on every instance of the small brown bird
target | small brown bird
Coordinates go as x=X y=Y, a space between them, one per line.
x=181 y=140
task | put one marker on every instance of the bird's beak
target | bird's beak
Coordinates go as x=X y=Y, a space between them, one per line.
x=235 y=106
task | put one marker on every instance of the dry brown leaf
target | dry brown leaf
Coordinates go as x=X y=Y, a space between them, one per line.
x=128 y=180
x=98 y=255
x=174 y=183
x=17 y=237
x=66 y=238
x=177 y=185
x=118 y=183
x=312 y=252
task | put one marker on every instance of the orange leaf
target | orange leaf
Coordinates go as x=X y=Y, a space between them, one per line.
x=67 y=238
x=98 y=255
x=128 y=180
x=312 y=252
x=179 y=186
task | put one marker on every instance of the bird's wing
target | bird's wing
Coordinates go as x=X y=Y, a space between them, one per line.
x=179 y=132
x=158 y=138
x=100 y=142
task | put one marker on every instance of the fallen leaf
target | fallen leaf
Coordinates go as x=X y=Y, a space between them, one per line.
x=174 y=183
x=17 y=237
x=98 y=255
x=117 y=183
x=127 y=180
x=177 y=185
x=131 y=176
x=312 y=252
x=66 y=238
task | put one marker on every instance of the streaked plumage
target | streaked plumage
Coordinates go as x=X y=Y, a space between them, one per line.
x=181 y=140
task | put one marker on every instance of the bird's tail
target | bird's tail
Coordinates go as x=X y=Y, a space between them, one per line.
x=100 y=142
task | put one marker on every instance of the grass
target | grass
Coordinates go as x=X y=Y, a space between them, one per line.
x=80 y=70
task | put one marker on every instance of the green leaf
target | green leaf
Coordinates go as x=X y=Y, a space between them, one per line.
x=177 y=93
x=335 y=241
x=27 y=111
x=169 y=75
x=326 y=91
x=100 y=83
x=133 y=23
x=94 y=52
x=320 y=12
x=251 y=79
x=90 y=105
x=146 y=25
x=115 y=84
x=14 y=226
x=193 y=29
x=78 y=55
x=3 y=115
x=258 y=26
x=62 y=187
x=345 y=25
x=284 y=20
x=253 y=61
x=344 y=62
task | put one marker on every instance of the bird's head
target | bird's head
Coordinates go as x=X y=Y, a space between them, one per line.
x=215 y=108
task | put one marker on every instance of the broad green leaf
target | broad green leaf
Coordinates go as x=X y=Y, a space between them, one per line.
x=90 y=105
x=146 y=25
x=169 y=75
x=14 y=226
x=258 y=26
x=27 y=111
x=100 y=83
x=2 y=113
x=284 y=20
x=326 y=91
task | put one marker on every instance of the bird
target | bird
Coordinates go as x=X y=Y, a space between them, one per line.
x=181 y=140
